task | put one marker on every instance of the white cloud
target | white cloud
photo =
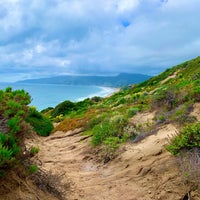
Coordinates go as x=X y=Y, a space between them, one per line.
x=127 y=5
x=94 y=36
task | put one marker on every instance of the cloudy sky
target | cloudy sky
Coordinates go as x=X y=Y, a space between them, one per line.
x=41 y=38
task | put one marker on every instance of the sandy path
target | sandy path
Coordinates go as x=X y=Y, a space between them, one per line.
x=143 y=171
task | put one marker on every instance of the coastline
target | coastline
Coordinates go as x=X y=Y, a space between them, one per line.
x=50 y=95
x=104 y=92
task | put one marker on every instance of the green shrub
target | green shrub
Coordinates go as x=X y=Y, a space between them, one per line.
x=195 y=94
x=132 y=111
x=68 y=107
x=100 y=132
x=161 y=118
x=121 y=100
x=5 y=155
x=4 y=138
x=41 y=125
x=14 y=124
x=188 y=138
x=113 y=127
x=13 y=110
x=167 y=97
x=181 y=114
x=34 y=150
x=33 y=169
x=109 y=148
x=63 y=108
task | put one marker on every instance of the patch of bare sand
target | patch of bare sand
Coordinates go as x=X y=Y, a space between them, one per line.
x=173 y=76
x=196 y=111
x=143 y=118
x=144 y=171
x=169 y=77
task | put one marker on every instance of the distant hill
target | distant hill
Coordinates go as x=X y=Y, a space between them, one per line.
x=120 y=80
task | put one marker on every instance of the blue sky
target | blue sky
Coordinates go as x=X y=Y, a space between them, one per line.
x=42 y=38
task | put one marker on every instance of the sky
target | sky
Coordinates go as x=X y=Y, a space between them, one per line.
x=44 y=38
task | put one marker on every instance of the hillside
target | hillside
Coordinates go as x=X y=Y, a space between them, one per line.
x=120 y=80
x=142 y=142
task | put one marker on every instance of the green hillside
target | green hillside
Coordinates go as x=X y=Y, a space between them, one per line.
x=171 y=95
x=108 y=121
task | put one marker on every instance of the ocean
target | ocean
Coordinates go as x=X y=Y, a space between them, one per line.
x=49 y=95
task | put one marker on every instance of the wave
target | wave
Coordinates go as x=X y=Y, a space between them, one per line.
x=104 y=92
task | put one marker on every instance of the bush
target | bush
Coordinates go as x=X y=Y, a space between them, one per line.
x=5 y=155
x=68 y=107
x=188 y=138
x=109 y=128
x=13 y=107
x=63 y=108
x=41 y=125
x=167 y=97
x=132 y=111
x=181 y=114
x=95 y=120
x=100 y=132
x=14 y=124
x=195 y=94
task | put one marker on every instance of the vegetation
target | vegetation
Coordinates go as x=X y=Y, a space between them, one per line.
x=13 y=107
x=187 y=139
x=34 y=150
x=41 y=125
x=14 y=113
x=108 y=121
x=186 y=147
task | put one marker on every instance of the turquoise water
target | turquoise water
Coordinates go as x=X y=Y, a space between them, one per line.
x=49 y=95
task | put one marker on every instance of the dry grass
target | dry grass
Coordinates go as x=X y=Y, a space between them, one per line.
x=71 y=124
x=189 y=162
x=74 y=123
x=51 y=183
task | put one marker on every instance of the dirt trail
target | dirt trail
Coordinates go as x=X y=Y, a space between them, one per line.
x=144 y=171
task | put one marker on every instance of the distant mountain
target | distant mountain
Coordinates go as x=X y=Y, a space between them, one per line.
x=120 y=80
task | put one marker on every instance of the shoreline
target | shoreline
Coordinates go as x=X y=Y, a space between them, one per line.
x=46 y=99
x=104 y=92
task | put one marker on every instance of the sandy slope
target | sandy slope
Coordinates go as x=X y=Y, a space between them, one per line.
x=143 y=171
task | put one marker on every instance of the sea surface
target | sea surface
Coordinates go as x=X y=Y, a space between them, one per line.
x=49 y=95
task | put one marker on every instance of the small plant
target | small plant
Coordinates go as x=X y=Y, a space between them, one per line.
x=34 y=151
x=132 y=111
x=109 y=148
x=160 y=118
x=5 y=155
x=59 y=118
x=33 y=169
